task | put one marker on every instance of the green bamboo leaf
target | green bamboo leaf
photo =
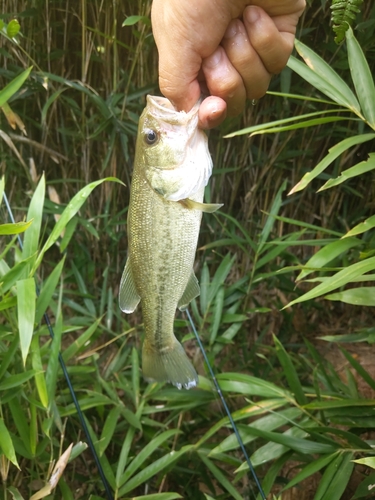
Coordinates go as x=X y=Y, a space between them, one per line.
x=362 y=227
x=220 y=276
x=26 y=298
x=359 y=368
x=6 y=444
x=361 y=296
x=217 y=314
x=16 y=228
x=359 y=169
x=362 y=77
x=322 y=76
x=326 y=254
x=365 y=487
x=81 y=341
x=272 y=450
x=47 y=290
x=337 y=280
x=15 y=493
x=9 y=90
x=37 y=365
x=8 y=303
x=292 y=121
x=274 y=210
x=339 y=479
x=305 y=124
x=108 y=429
x=341 y=403
x=333 y=153
x=310 y=469
x=290 y=372
x=16 y=380
x=131 y=418
x=35 y=211
x=125 y=450
x=135 y=376
x=145 y=453
x=131 y=20
x=158 y=496
x=153 y=469
x=53 y=361
x=21 y=422
x=246 y=384
x=219 y=476
x=267 y=423
x=368 y=461
x=9 y=277
x=76 y=203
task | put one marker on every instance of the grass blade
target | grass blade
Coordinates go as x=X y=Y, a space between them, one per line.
x=359 y=169
x=361 y=296
x=219 y=476
x=26 y=297
x=362 y=77
x=7 y=444
x=35 y=211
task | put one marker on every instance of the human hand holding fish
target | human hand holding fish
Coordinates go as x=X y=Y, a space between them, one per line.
x=171 y=169
x=228 y=48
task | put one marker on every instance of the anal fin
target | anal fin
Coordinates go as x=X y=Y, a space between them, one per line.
x=192 y=290
x=128 y=296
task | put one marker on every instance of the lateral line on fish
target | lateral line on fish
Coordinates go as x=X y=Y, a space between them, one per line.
x=232 y=422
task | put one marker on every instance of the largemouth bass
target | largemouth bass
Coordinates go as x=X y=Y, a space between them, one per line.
x=172 y=166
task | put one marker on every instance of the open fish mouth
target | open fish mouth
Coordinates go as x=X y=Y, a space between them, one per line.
x=162 y=109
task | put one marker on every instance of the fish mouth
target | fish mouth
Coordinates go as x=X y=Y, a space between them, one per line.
x=162 y=109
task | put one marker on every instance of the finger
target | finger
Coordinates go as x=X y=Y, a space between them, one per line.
x=246 y=60
x=273 y=47
x=212 y=112
x=224 y=81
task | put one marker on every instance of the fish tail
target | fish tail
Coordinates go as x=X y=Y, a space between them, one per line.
x=168 y=364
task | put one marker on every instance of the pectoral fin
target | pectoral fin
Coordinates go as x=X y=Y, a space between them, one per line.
x=192 y=290
x=203 y=207
x=128 y=296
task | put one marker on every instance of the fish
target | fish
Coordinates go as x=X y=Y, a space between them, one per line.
x=172 y=166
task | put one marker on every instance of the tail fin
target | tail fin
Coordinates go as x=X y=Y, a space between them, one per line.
x=169 y=364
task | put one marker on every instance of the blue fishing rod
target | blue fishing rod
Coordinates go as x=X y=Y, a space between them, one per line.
x=227 y=411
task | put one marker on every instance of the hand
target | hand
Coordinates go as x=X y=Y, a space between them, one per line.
x=227 y=48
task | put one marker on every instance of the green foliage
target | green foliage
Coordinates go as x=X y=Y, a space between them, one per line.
x=344 y=13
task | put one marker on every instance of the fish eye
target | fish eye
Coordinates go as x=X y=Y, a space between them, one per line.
x=151 y=137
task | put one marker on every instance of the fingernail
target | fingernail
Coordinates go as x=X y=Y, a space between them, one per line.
x=231 y=30
x=214 y=59
x=252 y=14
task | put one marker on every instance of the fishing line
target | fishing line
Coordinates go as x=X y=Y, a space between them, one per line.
x=232 y=422
x=67 y=378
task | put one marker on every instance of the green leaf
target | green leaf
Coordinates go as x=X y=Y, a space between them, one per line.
x=53 y=361
x=335 y=478
x=341 y=278
x=362 y=227
x=47 y=290
x=365 y=487
x=368 y=461
x=153 y=469
x=362 y=77
x=217 y=314
x=322 y=76
x=290 y=372
x=219 y=476
x=326 y=254
x=35 y=211
x=246 y=384
x=333 y=153
x=220 y=276
x=131 y=20
x=26 y=298
x=13 y=28
x=81 y=341
x=16 y=228
x=15 y=493
x=158 y=496
x=6 y=444
x=310 y=469
x=361 y=296
x=108 y=429
x=9 y=278
x=75 y=204
x=359 y=368
x=359 y=169
x=9 y=90
x=145 y=453
x=37 y=365
x=14 y=381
